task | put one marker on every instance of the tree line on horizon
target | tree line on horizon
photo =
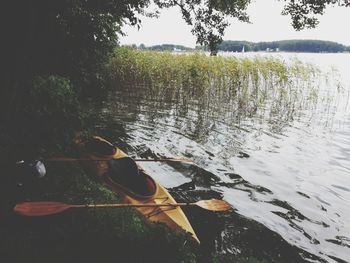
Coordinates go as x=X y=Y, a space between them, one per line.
x=314 y=46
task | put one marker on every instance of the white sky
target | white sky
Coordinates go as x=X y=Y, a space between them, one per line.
x=267 y=25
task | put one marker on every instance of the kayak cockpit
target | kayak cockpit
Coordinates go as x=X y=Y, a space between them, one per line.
x=125 y=173
x=121 y=170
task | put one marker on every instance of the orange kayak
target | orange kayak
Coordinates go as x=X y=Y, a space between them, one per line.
x=173 y=217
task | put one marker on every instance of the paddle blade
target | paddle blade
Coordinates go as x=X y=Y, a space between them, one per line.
x=40 y=208
x=214 y=205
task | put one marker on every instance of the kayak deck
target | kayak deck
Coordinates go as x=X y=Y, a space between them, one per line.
x=173 y=217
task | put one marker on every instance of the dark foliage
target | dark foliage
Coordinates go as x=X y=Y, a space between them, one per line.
x=66 y=38
x=54 y=53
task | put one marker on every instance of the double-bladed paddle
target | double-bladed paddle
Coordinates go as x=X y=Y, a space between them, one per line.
x=50 y=208
x=71 y=159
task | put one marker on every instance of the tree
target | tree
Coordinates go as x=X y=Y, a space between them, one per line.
x=69 y=38
x=208 y=17
x=304 y=12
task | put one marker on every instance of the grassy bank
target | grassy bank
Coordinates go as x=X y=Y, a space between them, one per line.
x=81 y=235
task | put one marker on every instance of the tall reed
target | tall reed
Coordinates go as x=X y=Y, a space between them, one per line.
x=244 y=83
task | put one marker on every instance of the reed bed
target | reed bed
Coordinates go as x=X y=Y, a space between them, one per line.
x=223 y=84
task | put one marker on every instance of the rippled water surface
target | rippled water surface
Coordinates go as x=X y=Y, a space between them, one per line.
x=285 y=168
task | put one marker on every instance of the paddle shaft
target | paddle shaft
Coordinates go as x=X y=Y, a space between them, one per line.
x=131 y=205
x=50 y=208
x=68 y=159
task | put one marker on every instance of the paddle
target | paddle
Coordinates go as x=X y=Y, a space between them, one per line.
x=70 y=159
x=50 y=208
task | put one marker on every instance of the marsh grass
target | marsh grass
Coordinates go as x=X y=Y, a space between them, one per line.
x=223 y=86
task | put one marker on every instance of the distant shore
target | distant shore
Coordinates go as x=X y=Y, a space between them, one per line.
x=299 y=46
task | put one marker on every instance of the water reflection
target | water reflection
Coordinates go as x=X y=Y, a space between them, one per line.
x=280 y=155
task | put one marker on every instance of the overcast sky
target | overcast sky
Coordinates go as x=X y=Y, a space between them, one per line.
x=267 y=25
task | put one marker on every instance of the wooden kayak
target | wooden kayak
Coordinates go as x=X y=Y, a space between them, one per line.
x=173 y=217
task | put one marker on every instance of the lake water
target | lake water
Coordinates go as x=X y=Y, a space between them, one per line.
x=285 y=169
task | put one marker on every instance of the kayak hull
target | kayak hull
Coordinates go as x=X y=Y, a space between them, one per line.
x=173 y=217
